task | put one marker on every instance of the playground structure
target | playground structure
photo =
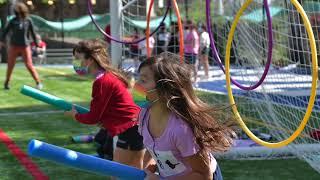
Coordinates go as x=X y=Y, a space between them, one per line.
x=284 y=103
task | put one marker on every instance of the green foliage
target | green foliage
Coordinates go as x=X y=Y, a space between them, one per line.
x=3 y=2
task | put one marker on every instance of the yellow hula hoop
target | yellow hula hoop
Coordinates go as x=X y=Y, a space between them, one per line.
x=312 y=44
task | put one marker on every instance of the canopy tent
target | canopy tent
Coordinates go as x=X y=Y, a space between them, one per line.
x=254 y=16
x=68 y=25
x=71 y=25
x=260 y=16
x=85 y=22
x=154 y=23
x=311 y=7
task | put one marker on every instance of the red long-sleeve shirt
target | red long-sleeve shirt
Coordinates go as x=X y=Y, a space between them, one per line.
x=112 y=105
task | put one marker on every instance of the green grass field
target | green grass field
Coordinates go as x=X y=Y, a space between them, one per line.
x=54 y=128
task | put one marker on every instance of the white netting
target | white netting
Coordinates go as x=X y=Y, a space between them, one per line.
x=275 y=109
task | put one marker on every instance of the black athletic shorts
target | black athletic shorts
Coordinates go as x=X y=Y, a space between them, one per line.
x=205 y=51
x=130 y=139
x=190 y=58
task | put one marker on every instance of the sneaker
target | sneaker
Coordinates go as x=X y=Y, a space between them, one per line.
x=39 y=86
x=6 y=86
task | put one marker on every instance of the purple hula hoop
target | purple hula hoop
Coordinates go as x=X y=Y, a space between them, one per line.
x=119 y=41
x=270 y=47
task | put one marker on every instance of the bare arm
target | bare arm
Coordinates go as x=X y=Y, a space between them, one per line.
x=33 y=34
x=148 y=162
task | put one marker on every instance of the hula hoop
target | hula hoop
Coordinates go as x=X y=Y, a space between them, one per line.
x=148 y=28
x=181 y=36
x=120 y=41
x=314 y=79
x=270 y=44
x=176 y=8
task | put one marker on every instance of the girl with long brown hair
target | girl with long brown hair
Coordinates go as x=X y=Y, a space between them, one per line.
x=112 y=106
x=20 y=27
x=179 y=130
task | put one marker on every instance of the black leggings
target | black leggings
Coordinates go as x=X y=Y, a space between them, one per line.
x=105 y=144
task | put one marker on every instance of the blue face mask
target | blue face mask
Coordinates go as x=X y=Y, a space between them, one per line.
x=144 y=105
x=80 y=70
x=147 y=103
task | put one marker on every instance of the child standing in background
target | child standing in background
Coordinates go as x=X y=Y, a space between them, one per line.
x=191 y=50
x=19 y=28
x=143 y=46
x=204 y=48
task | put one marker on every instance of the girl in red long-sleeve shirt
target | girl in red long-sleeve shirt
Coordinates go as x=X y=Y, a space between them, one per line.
x=112 y=106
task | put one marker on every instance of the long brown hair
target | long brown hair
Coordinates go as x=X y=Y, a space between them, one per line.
x=21 y=10
x=175 y=89
x=97 y=50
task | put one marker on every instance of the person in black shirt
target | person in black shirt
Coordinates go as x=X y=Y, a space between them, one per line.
x=162 y=39
x=173 y=46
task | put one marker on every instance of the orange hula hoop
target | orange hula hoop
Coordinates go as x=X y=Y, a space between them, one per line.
x=148 y=28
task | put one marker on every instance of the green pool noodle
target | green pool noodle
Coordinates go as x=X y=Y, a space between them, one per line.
x=50 y=99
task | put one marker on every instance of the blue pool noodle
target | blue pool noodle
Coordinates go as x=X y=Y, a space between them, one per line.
x=50 y=99
x=85 y=162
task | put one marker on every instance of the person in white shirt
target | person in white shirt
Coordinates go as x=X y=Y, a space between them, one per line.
x=204 y=48
x=143 y=46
